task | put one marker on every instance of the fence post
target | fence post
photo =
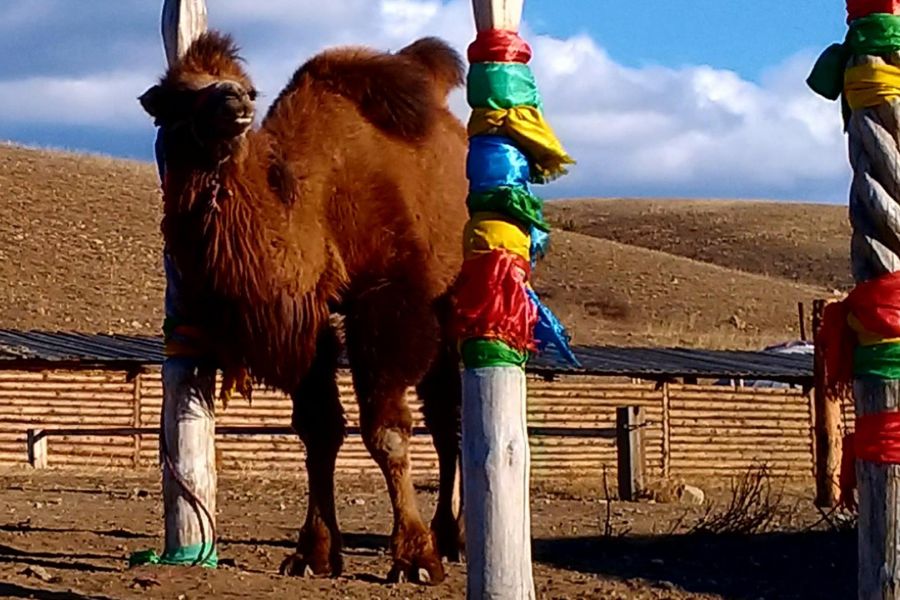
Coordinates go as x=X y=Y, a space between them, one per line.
x=630 y=451
x=37 y=449
x=827 y=423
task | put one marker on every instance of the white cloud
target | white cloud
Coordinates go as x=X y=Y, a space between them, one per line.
x=105 y=100
x=652 y=130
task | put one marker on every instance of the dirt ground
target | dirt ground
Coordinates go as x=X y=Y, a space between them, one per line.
x=65 y=535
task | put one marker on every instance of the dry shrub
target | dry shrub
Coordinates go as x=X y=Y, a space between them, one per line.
x=753 y=508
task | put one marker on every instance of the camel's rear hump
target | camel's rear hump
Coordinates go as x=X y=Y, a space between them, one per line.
x=398 y=93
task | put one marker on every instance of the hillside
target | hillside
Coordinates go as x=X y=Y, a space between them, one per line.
x=802 y=242
x=80 y=249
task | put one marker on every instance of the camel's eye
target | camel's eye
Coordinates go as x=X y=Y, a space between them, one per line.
x=253 y=94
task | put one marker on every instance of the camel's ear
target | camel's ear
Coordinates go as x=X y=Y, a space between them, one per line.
x=157 y=102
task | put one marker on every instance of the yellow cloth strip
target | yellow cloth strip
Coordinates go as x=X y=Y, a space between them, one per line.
x=867 y=338
x=871 y=85
x=489 y=231
x=524 y=125
x=236 y=380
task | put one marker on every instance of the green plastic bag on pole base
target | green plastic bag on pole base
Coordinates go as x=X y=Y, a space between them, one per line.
x=183 y=557
x=485 y=353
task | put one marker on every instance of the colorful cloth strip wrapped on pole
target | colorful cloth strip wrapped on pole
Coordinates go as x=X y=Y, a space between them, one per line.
x=499 y=318
x=873 y=34
x=860 y=337
x=861 y=8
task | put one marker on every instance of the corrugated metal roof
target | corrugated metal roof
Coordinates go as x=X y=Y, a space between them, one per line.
x=646 y=363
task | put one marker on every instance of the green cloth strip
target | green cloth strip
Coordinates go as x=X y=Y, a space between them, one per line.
x=482 y=353
x=880 y=360
x=183 y=557
x=502 y=85
x=876 y=34
x=515 y=202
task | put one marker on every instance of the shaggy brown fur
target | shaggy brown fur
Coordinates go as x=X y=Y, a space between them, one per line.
x=350 y=198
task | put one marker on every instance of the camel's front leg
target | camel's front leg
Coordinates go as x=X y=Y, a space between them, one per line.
x=318 y=420
x=386 y=427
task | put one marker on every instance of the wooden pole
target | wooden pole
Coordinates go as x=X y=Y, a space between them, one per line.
x=801 y=313
x=630 y=452
x=856 y=73
x=827 y=424
x=37 y=449
x=496 y=464
x=495 y=452
x=182 y=22
x=187 y=440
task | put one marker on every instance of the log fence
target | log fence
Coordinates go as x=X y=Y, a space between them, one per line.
x=690 y=431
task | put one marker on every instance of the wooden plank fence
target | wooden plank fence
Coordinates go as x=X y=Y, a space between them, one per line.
x=691 y=430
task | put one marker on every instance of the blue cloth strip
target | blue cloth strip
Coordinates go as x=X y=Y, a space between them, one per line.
x=494 y=162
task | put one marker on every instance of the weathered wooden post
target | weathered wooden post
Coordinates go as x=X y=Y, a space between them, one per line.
x=862 y=333
x=187 y=428
x=827 y=425
x=630 y=452
x=498 y=315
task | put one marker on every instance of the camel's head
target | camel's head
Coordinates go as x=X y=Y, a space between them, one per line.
x=206 y=98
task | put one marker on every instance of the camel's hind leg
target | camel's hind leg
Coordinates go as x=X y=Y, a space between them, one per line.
x=441 y=395
x=319 y=421
x=392 y=339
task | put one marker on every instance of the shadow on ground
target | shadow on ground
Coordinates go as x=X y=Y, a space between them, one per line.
x=11 y=590
x=54 y=560
x=800 y=565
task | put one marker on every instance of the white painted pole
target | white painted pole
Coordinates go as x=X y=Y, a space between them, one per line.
x=495 y=452
x=182 y=22
x=496 y=467
x=187 y=441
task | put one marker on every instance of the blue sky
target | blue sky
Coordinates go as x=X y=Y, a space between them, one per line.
x=747 y=37
x=681 y=98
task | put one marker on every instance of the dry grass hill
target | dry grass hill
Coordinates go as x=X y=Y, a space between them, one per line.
x=80 y=249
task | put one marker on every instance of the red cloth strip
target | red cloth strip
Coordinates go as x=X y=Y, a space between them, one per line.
x=876 y=305
x=876 y=440
x=863 y=8
x=499 y=45
x=490 y=300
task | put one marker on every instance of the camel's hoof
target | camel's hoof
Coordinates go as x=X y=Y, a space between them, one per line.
x=432 y=574
x=295 y=565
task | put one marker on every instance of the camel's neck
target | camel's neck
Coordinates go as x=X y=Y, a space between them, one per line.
x=210 y=223
x=258 y=279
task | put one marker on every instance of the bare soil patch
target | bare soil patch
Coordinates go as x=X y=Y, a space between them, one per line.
x=68 y=535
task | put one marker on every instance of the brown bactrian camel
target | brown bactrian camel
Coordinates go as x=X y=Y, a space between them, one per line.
x=349 y=198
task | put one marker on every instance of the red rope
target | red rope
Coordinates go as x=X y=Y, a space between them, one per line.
x=876 y=440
